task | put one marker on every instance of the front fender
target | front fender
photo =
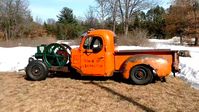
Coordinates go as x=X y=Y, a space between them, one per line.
x=161 y=66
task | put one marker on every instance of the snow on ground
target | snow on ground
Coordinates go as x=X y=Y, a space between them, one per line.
x=190 y=69
x=120 y=48
x=16 y=58
x=189 y=65
x=174 y=40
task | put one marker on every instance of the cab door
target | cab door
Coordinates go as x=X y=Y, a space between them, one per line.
x=92 y=57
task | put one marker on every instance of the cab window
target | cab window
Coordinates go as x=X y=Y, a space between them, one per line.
x=93 y=43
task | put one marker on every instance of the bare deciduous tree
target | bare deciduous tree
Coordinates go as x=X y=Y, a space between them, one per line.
x=129 y=7
x=113 y=11
x=102 y=10
x=107 y=10
x=51 y=21
x=91 y=20
x=14 y=17
x=191 y=16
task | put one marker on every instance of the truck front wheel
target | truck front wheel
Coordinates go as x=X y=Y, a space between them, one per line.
x=36 y=70
x=141 y=75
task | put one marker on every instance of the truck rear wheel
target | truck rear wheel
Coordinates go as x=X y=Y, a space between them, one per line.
x=36 y=71
x=141 y=75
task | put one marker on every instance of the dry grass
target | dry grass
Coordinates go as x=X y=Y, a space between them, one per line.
x=1 y=35
x=32 y=42
x=72 y=95
x=137 y=37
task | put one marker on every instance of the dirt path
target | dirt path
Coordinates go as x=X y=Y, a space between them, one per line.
x=71 y=95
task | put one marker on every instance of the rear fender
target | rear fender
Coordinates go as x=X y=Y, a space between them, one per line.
x=160 y=65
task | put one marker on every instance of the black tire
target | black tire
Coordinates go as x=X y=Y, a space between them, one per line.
x=36 y=71
x=141 y=75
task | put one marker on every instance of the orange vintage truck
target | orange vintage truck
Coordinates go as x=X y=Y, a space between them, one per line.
x=98 y=56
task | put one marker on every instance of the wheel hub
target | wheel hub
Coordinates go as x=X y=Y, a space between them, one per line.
x=140 y=74
x=36 y=71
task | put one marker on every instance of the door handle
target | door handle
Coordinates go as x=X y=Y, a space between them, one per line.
x=101 y=57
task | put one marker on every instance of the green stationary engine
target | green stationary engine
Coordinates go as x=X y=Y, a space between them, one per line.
x=52 y=57
x=54 y=54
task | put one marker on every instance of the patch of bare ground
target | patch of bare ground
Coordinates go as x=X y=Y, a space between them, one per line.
x=72 y=95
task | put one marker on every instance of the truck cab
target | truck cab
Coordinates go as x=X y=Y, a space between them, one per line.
x=95 y=55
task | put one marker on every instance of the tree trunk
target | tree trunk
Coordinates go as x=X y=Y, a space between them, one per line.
x=196 y=41
x=126 y=25
x=181 y=41
x=122 y=13
x=114 y=25
x=126 y=30
x=114 y=15
x=195 y=27
x=126 y=20
x=6 y=35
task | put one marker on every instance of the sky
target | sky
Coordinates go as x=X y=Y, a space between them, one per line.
x=45 y=9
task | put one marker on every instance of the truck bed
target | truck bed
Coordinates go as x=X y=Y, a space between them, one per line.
x=122 y=55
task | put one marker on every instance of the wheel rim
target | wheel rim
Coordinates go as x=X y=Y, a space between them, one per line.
x=36 y=71
x=68 y=49
x=56 y=55
x=140 y=74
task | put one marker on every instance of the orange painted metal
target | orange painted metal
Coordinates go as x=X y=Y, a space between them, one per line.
x=160 y=61
x=107 y=60
x=162 y=64
x=95 y=64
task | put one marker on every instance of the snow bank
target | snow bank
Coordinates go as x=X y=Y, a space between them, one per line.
x=15 y=59
x=161 y=40
x=189 y=65
x=119 y=48
x=174 y=41
x=190 y=69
